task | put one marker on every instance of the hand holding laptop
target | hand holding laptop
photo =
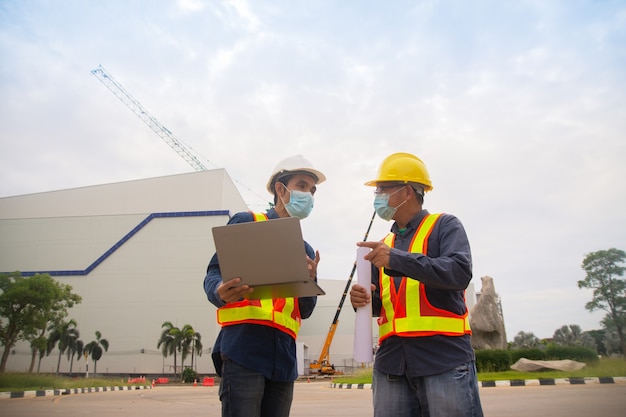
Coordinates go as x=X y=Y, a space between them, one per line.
x=230 y=291
x=278 y=268
x=313 y=264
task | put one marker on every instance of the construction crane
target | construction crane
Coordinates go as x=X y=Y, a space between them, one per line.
x=323 y=366
x=163 y=132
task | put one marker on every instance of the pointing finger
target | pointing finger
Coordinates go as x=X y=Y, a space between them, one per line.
x=370 y=245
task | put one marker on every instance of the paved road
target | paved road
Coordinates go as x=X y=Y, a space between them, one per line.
x=318 y=399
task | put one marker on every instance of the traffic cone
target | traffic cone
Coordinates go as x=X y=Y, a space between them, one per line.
x=152 y=382
x=195 y=382
x=308 y=380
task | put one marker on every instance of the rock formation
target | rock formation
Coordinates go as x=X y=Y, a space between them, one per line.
x=527 y=365
x=486 y=320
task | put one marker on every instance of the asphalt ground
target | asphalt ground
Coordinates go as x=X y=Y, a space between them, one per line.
x=315 y=399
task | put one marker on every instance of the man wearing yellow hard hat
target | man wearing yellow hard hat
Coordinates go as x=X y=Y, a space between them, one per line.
x=425 y=365
x=255 y=351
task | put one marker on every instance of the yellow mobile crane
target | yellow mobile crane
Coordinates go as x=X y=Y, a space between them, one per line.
x=323 y=366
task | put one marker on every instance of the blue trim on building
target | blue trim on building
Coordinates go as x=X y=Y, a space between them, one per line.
x=126 y=238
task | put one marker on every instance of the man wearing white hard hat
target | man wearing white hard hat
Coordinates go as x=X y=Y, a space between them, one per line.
x=255 y=351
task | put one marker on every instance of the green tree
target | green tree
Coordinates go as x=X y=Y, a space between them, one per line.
x=29 y=304
x=611 y=341
x=524 y=340
x=96 y=348
x=604 y=270
x=75 y=347
x=38 y=345
x=573 y=335
x=61 y=335
x=191 y=343
x=599 y=338
x=170 y=341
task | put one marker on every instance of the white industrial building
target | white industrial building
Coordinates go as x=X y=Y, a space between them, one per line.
x=136 y=252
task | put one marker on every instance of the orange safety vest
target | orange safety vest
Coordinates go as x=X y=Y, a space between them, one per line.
x=407 y=312
x=280 y=313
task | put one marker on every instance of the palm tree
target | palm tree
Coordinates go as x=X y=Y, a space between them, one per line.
x=96 y=348
x=185 y=344
x=192 y=343
x=75 y=347
x=61 y=333
x=170 y=341
x=38 y=345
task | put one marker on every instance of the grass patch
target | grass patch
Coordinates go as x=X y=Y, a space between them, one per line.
x=12 y=382
x=606 y=367
x=363 y=376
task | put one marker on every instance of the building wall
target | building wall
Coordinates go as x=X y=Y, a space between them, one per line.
x=135 y=252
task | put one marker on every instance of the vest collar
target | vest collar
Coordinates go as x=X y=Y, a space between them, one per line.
x=413 y=223
x=271 y=214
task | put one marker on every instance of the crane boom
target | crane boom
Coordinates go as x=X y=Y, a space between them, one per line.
x=323 y=365
x=164 y=133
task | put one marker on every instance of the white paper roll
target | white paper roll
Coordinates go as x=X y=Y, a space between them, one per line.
x=363 y=348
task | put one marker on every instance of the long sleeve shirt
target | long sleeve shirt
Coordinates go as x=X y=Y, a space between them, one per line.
x=446 y=271
x=263 y=349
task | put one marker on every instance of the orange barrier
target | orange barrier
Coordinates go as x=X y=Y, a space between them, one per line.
x=208 y=382
x=136 y=380
x=162 y=381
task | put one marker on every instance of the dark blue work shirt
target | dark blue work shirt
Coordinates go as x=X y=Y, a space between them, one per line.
x=263 y=349
x=445 y=271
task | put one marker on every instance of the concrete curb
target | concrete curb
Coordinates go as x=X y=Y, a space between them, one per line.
x=68 y=391
x=553 y=381
x=519 y=382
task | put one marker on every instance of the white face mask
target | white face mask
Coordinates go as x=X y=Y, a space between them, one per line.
x=300 y=203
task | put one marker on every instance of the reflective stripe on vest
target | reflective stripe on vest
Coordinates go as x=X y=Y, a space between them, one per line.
x=406 y=311
x=280 y=313
x=259 y=217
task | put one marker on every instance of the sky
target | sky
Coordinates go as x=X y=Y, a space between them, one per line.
x=518 y=110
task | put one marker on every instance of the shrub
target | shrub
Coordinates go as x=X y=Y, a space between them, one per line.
x=493 y=360
x=531 y=353
x=189 y=375
x=580 y=354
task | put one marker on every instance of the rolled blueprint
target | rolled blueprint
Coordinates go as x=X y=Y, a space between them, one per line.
x=363 y=347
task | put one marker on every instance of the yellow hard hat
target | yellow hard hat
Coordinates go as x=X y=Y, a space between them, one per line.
x=403 y=167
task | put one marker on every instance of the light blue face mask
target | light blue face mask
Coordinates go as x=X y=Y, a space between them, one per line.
x=381 y=205
x=300 y=204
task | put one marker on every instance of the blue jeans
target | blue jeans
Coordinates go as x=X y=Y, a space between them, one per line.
x=451 y=394
x=245 y=393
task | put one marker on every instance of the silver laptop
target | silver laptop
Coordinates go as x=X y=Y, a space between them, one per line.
x=268 y=255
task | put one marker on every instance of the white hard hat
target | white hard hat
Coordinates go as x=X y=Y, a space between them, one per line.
x=292 y=165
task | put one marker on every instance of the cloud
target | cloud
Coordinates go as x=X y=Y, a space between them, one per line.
x=244 y=12
x=191 y=5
